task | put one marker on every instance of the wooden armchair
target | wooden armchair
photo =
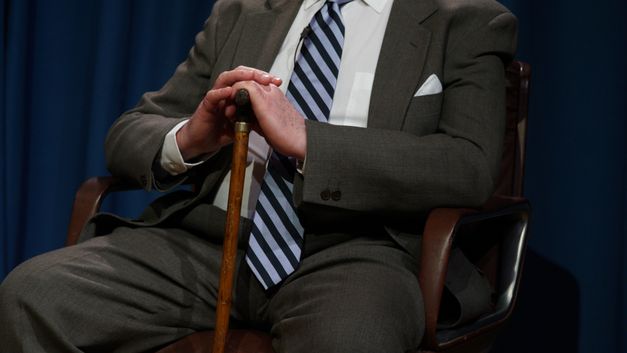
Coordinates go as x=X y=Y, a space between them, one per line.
x=493 y=237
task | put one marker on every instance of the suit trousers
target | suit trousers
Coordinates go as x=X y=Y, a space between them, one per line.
x=137 y=290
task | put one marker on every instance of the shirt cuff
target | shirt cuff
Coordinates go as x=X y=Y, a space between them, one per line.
x=171 y=158
x=300 y=166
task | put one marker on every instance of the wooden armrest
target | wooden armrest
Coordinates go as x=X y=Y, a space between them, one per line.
x=88 y=200
x=440 y=230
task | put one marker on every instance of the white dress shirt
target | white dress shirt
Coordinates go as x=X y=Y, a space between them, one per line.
x=365 y=22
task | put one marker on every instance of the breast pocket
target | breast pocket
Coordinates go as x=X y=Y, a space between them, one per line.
x=423 y=114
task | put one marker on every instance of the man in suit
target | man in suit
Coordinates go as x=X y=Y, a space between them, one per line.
x=416 y=122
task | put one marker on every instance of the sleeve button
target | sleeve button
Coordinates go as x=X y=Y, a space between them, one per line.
x=336 y=195
x=325 y=195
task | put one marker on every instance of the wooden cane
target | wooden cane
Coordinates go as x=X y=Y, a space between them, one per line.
x=236 y=186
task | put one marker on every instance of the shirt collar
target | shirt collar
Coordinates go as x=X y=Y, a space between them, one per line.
x=377 y=5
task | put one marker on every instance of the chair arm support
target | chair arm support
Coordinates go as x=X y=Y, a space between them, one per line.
x=88 y=200
x=437 y=241
x=440 y=230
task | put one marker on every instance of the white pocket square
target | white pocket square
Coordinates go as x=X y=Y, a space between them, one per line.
x=431 y=86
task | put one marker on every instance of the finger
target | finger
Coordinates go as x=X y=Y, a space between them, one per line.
x=243 y=73
x=261 y=76
x=253 y=87
x=212 y=99
x=229 y=111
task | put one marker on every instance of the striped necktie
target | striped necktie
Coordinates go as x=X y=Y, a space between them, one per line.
x=276 y=238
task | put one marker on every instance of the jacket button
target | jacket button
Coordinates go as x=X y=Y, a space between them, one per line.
x=325 y=195
x=336 y=195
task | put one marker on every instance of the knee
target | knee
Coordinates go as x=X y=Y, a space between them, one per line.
x=12 y=289
x=33 y=304
x=387 y=327
x=383 y=321
x=391 y=331
x=368 y=336
x=26 y=287
x=8 y=297
x=13 y=286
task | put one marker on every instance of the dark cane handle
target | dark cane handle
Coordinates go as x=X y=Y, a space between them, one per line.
x=244 y=112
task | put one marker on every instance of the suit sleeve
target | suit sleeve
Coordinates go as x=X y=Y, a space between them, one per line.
x=135 y=139
x=395 y=172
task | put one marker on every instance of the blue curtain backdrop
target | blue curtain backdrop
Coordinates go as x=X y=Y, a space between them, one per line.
x=68 y=68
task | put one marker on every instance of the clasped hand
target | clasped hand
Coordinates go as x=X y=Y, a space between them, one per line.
x=211 y=125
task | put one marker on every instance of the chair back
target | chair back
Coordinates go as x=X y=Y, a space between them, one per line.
x=499 y=250
x=510 y=182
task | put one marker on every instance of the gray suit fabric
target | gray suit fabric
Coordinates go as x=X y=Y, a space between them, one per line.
x=152 y=280
x=135 y=291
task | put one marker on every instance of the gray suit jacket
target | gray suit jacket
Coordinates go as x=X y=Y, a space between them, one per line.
x=416 y=154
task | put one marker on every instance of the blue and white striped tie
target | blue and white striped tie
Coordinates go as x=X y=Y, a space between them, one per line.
x=277 y=236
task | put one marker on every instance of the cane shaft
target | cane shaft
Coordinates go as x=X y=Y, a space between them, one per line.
x=229 y=252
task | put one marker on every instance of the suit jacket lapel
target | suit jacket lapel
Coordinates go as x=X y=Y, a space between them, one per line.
x=263 y=33
x=402 y=57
